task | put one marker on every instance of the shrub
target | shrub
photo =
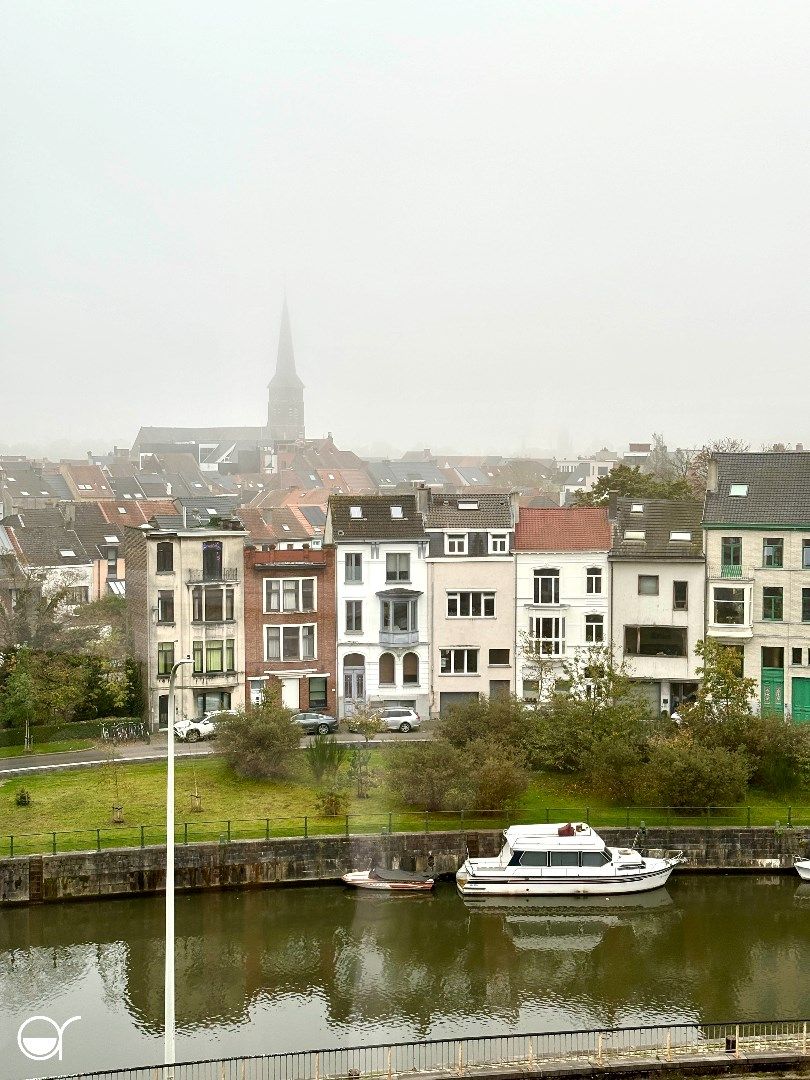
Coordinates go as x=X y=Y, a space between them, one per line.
x=777 y=751
x=332 y=798
x=682 y=772
x=426 y=775
x=497 y=773
x=503 y=720
x=261 y=742
x=23 y=797
x=560 y=738
x=325 y=756
x=616 y=769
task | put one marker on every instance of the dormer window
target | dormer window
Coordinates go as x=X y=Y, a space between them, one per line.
x=738 y=491
x=498 y=544
x=634 y=534
x=455 y=544
x=355 y=512
x=684 y=537
x=396 y=511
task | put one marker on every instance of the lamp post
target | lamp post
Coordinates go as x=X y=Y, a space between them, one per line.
x=168 y=1013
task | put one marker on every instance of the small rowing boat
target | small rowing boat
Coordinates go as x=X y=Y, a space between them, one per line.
x=803 y=868
x=388 y=880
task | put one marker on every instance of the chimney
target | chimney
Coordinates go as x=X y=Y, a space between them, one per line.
x=799 y=446
x=613 y=504
x=711 y=476
x=421 y=493
x=514 y=502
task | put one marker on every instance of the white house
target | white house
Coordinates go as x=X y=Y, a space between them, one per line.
x=382 y=606
x=561 y=560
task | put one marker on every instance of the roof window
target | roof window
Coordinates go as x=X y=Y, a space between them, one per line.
x=468 y=505
x=122 y=509
x=210 y=510
x=676 y=535
x=637 y=508
x=44 y=493
x=111 y=540
x=285 y=527
x=23 y=492
x=738 y=491
x=634 y=534
x=355 y=511
x=396 y=511
x=67 y=553
x=127 y=495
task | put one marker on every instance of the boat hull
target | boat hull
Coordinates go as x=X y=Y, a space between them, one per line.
x=803 y=869
x=361 y=879
x=635 y=881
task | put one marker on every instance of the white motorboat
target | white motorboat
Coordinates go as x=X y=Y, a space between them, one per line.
x=568 y=859
x=381 y=880
x=803 y=868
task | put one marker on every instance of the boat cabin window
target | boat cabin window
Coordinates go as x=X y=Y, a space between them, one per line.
x=564 y=858
x=534 y=858
x=595 y=858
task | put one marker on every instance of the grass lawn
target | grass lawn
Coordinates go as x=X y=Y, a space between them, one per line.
x=80 y=801
x=46 y=748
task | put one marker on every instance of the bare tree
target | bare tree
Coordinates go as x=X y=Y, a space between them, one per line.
x=699 y=466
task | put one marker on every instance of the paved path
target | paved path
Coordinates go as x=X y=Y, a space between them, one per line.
x=155 y=751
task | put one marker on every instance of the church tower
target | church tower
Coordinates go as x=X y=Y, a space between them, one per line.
x=285 y=400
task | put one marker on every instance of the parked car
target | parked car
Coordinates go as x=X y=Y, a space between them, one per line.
x=312 y=722
x=194 y=730
x=399 y=718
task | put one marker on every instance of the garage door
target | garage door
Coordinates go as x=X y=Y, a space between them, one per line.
x=651 y=692
x=801 y=701
x=446 y=701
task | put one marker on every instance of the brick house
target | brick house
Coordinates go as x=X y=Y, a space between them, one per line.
x=290 y=625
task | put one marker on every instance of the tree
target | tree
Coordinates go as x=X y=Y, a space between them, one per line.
x=699 y=465
x=724 y=694
x=630 y=482
x=501 y=720
x=682 y=772
x=41 y=688
x=261 y=741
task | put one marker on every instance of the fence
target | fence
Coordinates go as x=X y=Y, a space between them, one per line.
x=602 y=1047
x=228 y=830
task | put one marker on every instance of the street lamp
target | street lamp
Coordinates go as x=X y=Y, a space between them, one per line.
x=168 y=1014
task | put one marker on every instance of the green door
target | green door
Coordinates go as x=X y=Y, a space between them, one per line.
x=773 y=692
x=801 y=700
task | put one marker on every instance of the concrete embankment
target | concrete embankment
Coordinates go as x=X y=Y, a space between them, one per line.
x=296 y=860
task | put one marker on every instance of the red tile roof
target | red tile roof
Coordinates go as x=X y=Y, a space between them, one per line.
x=577 y=528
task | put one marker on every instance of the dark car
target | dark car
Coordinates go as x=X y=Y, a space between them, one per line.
x=312 y=722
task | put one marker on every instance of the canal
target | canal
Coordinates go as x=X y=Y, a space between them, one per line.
x=284 y=969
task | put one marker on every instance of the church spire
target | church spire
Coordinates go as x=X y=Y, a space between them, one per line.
x=285 y=400
x=285 y=374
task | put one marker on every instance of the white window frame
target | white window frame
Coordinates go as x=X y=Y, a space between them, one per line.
x=746 y=619
x=456 y=654
x=282 y=587
x=455 y=543
x=455 y=596
x=498 y=543
x=546 y=573
x=554 y=639
x=398 y=556
x=282 y=628
x=349 y=630
x=592 y=621
x=593 y=576
x=352 y=580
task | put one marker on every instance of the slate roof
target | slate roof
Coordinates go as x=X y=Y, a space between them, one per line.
x=494 y=511
x=42 y=535
x=778 y=490
x=92 y=528
x=657 y=519
x=575 y=529
x=119 y=513
x=376 y=522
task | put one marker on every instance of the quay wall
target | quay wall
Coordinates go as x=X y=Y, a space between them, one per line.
x=296 y=860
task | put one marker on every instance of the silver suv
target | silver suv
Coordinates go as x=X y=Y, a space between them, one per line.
x=399 y=718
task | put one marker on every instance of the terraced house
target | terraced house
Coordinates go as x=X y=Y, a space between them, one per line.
x=756 y=524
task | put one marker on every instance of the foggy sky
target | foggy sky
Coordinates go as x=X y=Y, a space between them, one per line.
x=500 y=225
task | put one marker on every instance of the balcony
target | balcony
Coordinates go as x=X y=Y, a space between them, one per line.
x=399 y=637
x=210 y=677
x=202 y=577
x=729 y=571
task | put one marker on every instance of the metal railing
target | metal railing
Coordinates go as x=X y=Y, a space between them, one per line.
x=230 y=830
x=602 y=1047
x=201 y=577
x=730 y=570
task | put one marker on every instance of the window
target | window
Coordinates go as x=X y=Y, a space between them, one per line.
x=772 y=603
x=355 y=512
x=198 y=666
x=773 y=656
x=289 y=642
x=112 y=563
x=655 y=640
x=317 y=693
x=387 y=670
x=230 y=654
x=289 y=594
x=455 y=544
x=471 y=605
x=594 y=858
x=678 y=536
x=410 y=669
x=165 y=611
x=729 y=607
x=165 y=657
x=397 y=566
x=594 y=629
x=398 y=617
x=214 y=607
x=731 y=551
x=797 y=656
x=396 y=511
x=354 y=616
x=563 y=858
x=634 y=534
x=214 y=656
x=354 y=566
x=637 y=508
x=459 y=661
x=212 y=560
x=773 y=552
x=648 y=585
x=499 y=657
x=805 y=554
x=498 y=543
x=805 y=605
x=549 y=632
x=468 y=504
x=533 y=858
x=593 y=580
x=547 y=586
x=680 y=595
x=165 y=557
x=738 y=491
x=77 y=594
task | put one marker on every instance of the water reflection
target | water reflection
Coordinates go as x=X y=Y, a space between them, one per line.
x=288 y=969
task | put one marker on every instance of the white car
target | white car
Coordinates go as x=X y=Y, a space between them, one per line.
x=194 y=730
x=399 y=718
